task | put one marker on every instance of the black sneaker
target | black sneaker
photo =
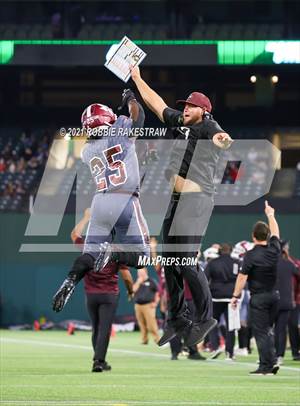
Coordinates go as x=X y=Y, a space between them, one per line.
x=216 y=353
x=63 y=294
x=257 y=372
x=173 y=329
x=97 y=366
x=196 y=356
x=104 y=256
x=174 y=357
x=272 y=371
x=106 y=366
x=199 y=331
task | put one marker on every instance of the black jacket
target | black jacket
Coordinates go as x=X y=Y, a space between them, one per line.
x=285 y=271
x=221 y=274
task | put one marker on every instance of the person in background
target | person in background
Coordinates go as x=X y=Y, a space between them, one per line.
x=260 y=271
x=102 y=296
x=2 y=165
x=162 y=290
x=146 y=299
x=285 y=272
x=294 y=318
x=244 y=333
x=210 y=253
x=221 y=274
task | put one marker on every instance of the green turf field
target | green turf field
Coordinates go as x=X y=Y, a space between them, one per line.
x=52 y=368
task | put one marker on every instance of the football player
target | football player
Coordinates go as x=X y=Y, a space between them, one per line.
x=116 y=217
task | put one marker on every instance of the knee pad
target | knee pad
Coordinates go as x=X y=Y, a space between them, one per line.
x=81 y=266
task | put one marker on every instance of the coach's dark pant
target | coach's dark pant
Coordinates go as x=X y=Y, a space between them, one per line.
x=220 y=308
x=185 y=224
x=101 y=308
x=281 y=324
x=263 y=310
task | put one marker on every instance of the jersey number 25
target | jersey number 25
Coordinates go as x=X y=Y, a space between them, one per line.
x=98 y=168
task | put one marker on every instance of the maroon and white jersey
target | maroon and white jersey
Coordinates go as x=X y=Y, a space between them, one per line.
x=112 y=159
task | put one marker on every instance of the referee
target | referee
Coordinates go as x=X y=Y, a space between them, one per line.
x=260 y=270
x=190 y=207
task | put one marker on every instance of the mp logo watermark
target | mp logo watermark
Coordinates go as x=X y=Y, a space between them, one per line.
x=233 y=177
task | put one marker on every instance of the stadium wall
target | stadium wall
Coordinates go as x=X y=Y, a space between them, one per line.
x=29 y=280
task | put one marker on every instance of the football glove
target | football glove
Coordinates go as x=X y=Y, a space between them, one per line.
x=127 y=96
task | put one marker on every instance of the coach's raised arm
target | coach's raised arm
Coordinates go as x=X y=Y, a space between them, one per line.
x=197 y=108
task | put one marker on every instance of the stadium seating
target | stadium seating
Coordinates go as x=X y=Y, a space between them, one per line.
x=109 y=31
x=297 y=185
x=238 y=31
x=27 y=179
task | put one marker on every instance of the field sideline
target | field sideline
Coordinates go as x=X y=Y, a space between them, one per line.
x=52 y=368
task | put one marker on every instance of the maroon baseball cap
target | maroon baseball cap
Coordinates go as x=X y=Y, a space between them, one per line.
x=198 y=99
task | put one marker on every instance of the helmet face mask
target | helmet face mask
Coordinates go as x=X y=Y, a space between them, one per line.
x=97 y=115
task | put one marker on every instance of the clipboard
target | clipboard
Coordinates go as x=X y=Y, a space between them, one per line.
x=123 y=55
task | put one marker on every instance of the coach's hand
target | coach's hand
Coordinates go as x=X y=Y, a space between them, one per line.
x=234 y=302
x=269 y=211
x=135 y=73
x=222 y=140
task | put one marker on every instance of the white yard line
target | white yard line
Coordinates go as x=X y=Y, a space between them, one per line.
x=129 y=352
x=137 y=402
x=145 y=375
x=145 y=385
x=76 y=346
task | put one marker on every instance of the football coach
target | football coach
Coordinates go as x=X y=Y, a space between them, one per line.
x=190 y=171
x=259 y=269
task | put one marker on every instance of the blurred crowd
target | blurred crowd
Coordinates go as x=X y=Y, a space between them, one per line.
x=221 y=264
x=28 y=152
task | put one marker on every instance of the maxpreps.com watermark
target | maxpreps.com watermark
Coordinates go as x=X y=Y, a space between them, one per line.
x=166 y=261
x=112 y=132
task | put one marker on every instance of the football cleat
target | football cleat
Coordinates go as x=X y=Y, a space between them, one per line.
x=104 y=257
x=63 y=294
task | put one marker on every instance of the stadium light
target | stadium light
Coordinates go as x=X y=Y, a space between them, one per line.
x=253 y=79
x=274 y=79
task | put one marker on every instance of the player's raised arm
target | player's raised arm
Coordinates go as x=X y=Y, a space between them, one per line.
x=150 y=97
x=135 y=109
